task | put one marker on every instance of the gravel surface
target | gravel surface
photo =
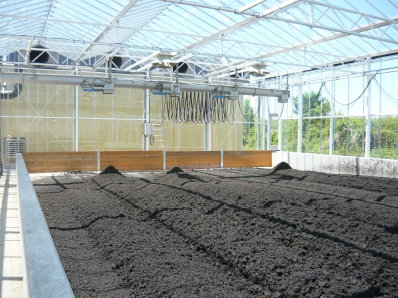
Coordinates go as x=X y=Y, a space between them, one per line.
x=225 y=233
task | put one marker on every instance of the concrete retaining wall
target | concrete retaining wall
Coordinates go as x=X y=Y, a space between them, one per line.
x=335 y=164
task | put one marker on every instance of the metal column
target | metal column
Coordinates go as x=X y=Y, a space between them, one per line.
x=76 y=116
x=269 y=126
x=300 y=115
x=263 y=124
x=146 y=113
x=207 y=136
x=332 y=107
x=280 y=119
x=368 y=110
x=258 y=123
x=98 y=160
x=208 y=124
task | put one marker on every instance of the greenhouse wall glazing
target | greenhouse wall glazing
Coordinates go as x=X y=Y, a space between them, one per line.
x=333 y=104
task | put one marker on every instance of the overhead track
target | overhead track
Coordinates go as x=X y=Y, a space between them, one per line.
x=119 y=83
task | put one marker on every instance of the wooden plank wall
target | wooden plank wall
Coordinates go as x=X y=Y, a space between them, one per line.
x=132 y=160
x=241 y=159
x=193 y=159
x=39 y=162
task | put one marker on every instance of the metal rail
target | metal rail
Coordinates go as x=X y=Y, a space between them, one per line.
x=43 y=273
x=133 y=84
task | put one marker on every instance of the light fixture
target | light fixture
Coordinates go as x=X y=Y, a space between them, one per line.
x=163 y=61
x=259 y=70
x=142 y=60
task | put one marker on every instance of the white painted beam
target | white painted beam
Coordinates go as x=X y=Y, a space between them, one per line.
x=143 y=60
x=26 y=78
x=241 y=24
x=368 y=111
x=250 y=5
x=315 y=42
x=300 y=116
x=114 y=21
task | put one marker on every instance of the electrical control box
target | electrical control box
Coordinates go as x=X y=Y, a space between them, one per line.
x=234 y=95
x=109 y=87
x=148 y=129
x=284 y=98
x=175 y=91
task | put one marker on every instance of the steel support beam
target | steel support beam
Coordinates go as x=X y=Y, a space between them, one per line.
x=263 y=123
x=114 y=21
x=250 y=5
x=280 y=119
x=207 y=137
x=237 y=26
x=76 y=116
x=332 y=107
x=119 y=83
x=269 y=126
x=147 y=119
x=368 y=111
x=315 y=42
x=300 y=115
x=258 y=124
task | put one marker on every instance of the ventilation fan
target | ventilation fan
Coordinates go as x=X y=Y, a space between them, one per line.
x=37 y=56
x=182 y=67
x=117 y=61
x=259 y=70
x=163 y=61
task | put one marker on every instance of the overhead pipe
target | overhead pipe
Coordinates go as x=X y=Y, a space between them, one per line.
x=134 y=84
x=10 y=94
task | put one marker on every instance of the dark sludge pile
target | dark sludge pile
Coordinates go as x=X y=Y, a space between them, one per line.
x=280 y=166
x=225 y=233
x=175 y=170
x=110 y=170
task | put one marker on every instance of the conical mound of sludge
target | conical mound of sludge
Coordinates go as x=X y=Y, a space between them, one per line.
x=110 y=170
x=175 y=170
x=280 y=166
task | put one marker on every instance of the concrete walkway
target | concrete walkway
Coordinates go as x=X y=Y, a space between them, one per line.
x=11 y=284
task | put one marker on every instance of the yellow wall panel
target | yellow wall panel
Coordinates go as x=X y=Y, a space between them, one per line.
x=121 y=135
x=121 y=103
x=43 y=115
x=103 y=134
x=86 y=135
x=198 y=136
x=185 y=136
x=86 y=103
x=135 y=135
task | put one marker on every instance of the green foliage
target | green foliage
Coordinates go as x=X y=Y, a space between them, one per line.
x=313 y=104
x=249 y=137
x=348 y=137
x=349 y=132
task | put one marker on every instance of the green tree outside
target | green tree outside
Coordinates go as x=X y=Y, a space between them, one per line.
x=349 y=132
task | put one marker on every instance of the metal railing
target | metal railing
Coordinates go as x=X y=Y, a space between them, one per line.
x=43 y=273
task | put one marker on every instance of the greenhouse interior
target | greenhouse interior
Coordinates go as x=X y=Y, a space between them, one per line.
x=278 y=116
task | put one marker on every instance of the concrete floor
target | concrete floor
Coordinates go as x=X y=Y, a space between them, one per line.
x=11 y=284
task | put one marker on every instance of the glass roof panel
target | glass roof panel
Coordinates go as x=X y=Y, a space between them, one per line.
x=282 y=33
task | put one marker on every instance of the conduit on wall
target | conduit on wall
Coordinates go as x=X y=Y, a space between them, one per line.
x=10 y=94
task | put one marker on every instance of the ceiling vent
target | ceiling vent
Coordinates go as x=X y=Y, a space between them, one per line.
x=259 y=70
x=38 y=56
x=163 y=61
x=117 y=61
x=182 y=67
